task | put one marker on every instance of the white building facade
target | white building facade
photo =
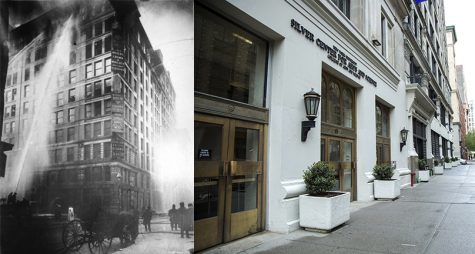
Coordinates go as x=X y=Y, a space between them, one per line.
x=254 y=60
x=348 y=54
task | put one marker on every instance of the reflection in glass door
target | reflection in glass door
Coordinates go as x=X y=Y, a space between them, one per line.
x=339 y=154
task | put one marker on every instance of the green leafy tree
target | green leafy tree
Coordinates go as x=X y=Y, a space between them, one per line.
x=470 y=140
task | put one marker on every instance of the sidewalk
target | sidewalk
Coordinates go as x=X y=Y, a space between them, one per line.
x=435 y=217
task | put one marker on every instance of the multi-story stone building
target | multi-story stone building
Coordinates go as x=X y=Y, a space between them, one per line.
x=456 y=93
x=460 y=122
x=112 y=101
x=253 y=63
x=471 y=116
x=427 y=69
x=381 y=68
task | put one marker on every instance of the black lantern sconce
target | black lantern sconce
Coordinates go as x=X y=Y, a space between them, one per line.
x=403 y=137
x=311 y=100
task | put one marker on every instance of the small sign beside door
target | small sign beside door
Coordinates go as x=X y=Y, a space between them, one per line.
x=204 y=154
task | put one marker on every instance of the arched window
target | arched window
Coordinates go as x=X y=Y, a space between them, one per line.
x=379 y=125
x=347 y=108
x=324 y=100
x=334 y=104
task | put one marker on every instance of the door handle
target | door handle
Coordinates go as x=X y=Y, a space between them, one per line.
x=245 y=168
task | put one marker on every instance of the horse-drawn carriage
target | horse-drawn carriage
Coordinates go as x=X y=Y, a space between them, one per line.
x=98 y=229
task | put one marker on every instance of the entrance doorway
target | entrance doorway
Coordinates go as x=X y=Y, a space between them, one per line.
x=229 y=157
x=340 y=154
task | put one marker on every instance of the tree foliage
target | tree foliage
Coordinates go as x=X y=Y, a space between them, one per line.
x=383 y=172
x=470 y=141
x=319 y=178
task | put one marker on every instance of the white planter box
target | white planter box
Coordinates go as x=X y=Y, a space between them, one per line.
x=454 y=164
x=438 y=170
x=388 y=189
x=324 y=213
x=424 y=175
x=447 y=165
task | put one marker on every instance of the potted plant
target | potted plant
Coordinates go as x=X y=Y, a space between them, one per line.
x=454 y=162
x=438 y=168
x=384 y=186
x=457 y=161
x=322 y=208
x=423 y=171
x=447 y=164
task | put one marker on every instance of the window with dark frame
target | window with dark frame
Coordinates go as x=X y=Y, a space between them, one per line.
x=71 y=133
x=343 y=6
x=97 y=47
x=383 y=138
x=98 y=89
x=218 y=71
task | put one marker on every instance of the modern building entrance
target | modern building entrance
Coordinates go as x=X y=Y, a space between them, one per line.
x=229 y=167
x=339 y=153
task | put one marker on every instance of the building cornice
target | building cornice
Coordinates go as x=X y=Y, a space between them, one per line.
x=344 y=29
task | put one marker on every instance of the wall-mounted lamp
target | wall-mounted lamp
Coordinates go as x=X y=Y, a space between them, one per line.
x=311 y=100
x=403 y=137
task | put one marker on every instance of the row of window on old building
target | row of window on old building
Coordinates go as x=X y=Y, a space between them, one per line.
x=95 y=151
x=91 y=130
x=95 y=174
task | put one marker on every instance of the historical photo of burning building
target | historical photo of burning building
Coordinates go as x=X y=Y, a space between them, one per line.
x=96 y=151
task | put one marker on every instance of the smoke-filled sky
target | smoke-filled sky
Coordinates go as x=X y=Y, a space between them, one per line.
x=169 y=27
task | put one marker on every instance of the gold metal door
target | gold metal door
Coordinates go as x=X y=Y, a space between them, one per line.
x=339 y=153
x=228 y=179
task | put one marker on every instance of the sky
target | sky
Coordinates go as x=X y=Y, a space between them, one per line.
x=459 y=13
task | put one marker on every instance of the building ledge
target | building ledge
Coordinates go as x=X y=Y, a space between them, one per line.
x=420 y=101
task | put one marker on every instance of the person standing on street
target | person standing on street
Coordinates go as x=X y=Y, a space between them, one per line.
x=147 y=218
x=183 y=221
x=190 y=216
x=172 y=213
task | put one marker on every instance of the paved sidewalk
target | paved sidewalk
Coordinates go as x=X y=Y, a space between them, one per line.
x=435 y=217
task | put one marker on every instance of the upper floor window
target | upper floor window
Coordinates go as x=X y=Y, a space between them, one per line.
x=337 y=102
x=72 y=57
x=72 y=76
x=41 y=53
x=229 y=63
x=344 y=6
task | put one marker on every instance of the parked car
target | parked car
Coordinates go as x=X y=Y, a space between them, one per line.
x=463 y=162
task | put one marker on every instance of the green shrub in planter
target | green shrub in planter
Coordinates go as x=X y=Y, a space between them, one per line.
x=456 y=158
x=422 y=164
x=383 y=172
x=446 y=160
x=319 y=178
x=453 y=159
x=436 y=162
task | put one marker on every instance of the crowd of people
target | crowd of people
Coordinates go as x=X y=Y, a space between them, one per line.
x=182 y=217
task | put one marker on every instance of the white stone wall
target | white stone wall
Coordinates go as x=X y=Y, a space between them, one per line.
x=295 y=66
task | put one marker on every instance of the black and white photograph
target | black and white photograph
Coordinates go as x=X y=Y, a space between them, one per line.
x=96 y=135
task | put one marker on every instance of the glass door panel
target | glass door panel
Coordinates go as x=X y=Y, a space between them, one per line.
x=339 y=154
x=334 y=160
x=244 y=195
x=206 y=198
x=228 y=179
x=210 y=154
x=347 y=166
